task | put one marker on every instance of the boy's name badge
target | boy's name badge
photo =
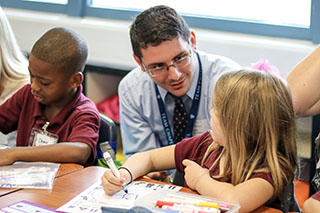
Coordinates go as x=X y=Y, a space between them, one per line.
x=43 y=137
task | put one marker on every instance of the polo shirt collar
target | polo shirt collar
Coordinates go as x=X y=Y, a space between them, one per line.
x=63 y=114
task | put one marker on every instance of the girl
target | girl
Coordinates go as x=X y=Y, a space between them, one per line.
x=248 y=157
x=13 y=69
x=13 y=64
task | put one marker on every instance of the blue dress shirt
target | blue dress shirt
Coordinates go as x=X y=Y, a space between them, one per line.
x=140 y=122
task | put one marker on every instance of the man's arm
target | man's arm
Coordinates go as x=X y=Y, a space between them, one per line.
x=136 y=133
x=71 y=152
x=304 y=82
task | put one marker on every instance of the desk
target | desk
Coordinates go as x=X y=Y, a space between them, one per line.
x=64 y=169
x=68 y=186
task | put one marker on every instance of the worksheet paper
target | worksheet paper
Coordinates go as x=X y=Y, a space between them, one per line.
x=139 y=193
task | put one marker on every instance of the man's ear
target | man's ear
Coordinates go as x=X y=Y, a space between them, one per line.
x=139 y=62
x=193 y=40
x=76 y=79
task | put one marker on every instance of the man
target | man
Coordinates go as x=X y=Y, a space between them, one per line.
x=170 y=67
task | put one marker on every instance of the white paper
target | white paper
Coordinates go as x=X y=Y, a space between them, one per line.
x=94 y=197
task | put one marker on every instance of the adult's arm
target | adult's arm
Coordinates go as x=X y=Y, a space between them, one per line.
x=311 y=205
x=304 y=82
x=136 y=132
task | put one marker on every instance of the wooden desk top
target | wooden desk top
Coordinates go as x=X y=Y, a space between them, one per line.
x=65 y=188
x=68 y=186
x=64 y=169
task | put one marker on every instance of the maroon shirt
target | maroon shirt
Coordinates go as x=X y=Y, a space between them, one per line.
x=78 y=122
x=194 y=149
x=316 y=195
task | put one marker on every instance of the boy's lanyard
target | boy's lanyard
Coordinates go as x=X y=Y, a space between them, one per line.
x=192 y=114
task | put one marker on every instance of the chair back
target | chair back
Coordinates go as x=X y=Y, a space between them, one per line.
x=288 y=202
x=107 y=141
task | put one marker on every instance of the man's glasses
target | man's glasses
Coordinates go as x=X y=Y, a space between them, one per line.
x=161 y=69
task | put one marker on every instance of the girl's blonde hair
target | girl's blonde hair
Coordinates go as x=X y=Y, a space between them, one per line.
x=13 y=64
x=257 y=118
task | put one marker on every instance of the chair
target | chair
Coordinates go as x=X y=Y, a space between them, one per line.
x=288 y=201
x=107 y=141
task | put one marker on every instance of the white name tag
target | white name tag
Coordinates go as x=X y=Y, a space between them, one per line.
x=42 y=137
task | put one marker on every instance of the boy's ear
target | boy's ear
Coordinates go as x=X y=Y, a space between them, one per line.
x=76 y=79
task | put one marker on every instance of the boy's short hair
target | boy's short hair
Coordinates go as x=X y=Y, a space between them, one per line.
x=155 y=25
x=62 y=47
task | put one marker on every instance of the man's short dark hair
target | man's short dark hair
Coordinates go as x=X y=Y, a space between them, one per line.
x=62 y=47
x=155 y=25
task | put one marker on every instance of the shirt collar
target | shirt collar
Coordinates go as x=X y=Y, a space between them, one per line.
x=62 y=115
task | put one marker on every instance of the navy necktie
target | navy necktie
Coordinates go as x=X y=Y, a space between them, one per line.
x=180 y=120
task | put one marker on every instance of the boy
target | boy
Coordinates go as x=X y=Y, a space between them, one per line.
x=55 y=121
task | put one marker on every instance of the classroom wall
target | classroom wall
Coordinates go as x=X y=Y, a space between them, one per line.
x=109 y=44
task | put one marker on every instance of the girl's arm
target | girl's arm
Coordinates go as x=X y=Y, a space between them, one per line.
x=304 y=81
x=250 y=194
x=139 y=164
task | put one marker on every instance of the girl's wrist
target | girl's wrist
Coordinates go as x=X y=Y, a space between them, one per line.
x=203 y=181
x=129 y=173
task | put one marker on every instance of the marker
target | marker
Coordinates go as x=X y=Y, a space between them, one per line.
x=190 y=209
x=196 y=203
x=193 y=208
x=180 y=199
x=114 y=169
x=207 y=204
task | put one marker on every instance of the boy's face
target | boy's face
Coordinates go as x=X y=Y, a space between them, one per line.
x=176 y=81
x=49 y=85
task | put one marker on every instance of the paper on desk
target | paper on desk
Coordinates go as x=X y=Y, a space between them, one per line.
x=94 y=197
x=38 y=175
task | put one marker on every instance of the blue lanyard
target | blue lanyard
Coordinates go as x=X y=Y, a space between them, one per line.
x=192 y=114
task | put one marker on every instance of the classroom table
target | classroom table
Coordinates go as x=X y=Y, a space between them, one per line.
x=64 y=169
x=68 y=186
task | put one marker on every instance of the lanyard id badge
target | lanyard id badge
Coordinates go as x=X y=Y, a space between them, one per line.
x=42 y=137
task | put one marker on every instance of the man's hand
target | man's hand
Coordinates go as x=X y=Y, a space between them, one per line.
x=160 y=175
x=193 y=173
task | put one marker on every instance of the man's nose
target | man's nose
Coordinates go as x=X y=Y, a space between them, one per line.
x=173 y=72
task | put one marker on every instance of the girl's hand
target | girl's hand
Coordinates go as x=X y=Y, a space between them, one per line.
x=193 y=173
x=111 y=184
